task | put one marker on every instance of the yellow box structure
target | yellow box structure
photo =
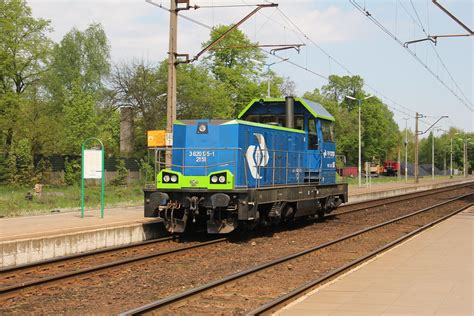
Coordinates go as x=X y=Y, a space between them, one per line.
x=156 y=138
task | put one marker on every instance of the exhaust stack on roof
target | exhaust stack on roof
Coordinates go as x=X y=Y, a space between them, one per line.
x=290 y=111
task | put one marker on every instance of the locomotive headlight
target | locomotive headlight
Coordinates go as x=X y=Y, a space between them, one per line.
x=222 y=179
x=174 y=178
x=202 y=128
x=166 y=178
x=214 y=179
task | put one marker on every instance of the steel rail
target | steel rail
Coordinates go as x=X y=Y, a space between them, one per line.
x=184 y=295
x=399 y=198
x=57 y=277
x=284 y=299
x=85 y=254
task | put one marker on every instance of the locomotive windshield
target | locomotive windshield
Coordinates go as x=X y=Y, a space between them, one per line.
x=276 y=120
x=327 y=129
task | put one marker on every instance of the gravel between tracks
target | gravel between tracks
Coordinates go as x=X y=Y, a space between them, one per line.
x=122 y=288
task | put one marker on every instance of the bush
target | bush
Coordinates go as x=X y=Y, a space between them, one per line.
x=72 y=172
x=20 y=163
x=121 y=175
x=147 y=171
x=4 y=169
x=43 y=171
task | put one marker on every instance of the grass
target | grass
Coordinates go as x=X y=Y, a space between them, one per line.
x=65 y=198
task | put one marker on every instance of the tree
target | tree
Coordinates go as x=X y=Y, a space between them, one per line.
x=79 y=119
x=24 y=57
x=339 y=87
x=193 y=103
x=238 y=65
x=82 y=57
x=142 y=86
x=380 y=134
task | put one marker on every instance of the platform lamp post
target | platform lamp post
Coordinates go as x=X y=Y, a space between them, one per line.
x=359 y=167
x=464 y=140
x=432 y=152
x=451 y=160
x=269 y=77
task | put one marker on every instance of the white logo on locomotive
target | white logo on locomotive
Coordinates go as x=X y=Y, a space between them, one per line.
x=257 y=156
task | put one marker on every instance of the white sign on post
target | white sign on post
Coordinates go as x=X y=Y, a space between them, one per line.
x=92 y=164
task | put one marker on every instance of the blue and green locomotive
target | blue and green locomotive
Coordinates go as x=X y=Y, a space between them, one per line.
x=274 y=163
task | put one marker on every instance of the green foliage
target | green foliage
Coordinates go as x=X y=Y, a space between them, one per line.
x=193 y=103
x=21 y=163
x=141 y=86
x=108 y=126
x=72 y=172
x=81 y=58
x=43 y=171
x=147 y=171
x=24 y=57
x=380 y=134
x=79 y=120
x=121 y=175
x=339 y=87
x=24 y=49
x=237 y=69
x=4 y=169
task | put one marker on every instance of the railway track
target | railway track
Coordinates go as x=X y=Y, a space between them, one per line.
x=256 y=286
x=18 y=278
x=354 y=207
x=31 y=279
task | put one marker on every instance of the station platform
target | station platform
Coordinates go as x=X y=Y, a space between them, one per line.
x=429 y=274
x=33 y=238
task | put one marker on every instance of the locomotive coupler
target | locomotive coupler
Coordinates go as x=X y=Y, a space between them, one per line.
x=175 y=217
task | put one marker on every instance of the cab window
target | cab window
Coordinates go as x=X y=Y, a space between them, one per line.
x=327 y=128
x=312 y=135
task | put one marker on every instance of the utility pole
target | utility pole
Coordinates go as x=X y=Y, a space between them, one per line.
x=171 y=99
x=465 y=155
x=406 y=149
x=444 y=169
x=432 y=156
x=175 y=7
x=417 y=133
x=416 y=146
x=399 y=173
x=451 y=160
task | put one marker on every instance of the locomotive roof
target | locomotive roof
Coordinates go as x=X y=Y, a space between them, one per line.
x=314 y=108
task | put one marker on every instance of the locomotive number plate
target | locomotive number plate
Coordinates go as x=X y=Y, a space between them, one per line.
x=201 y=155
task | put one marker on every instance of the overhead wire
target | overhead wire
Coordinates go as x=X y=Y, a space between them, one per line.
x=293 y=63
x=468 y=104
x=435 y=50
x=376 y=91
x=302 y=36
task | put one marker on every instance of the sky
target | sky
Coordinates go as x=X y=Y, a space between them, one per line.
x=338 y=39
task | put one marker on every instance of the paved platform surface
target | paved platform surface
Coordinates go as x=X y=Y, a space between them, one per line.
x=430 y=274
x=395 y=185
x=16 y=228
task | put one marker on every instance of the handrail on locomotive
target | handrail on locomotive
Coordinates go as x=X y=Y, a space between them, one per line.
x=310 y=174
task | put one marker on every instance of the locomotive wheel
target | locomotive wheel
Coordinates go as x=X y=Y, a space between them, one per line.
x=321 y=214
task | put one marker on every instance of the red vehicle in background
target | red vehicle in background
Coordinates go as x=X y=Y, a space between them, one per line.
x=391 y=168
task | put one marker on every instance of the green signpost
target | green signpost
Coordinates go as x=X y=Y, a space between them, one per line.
x=92 y=167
